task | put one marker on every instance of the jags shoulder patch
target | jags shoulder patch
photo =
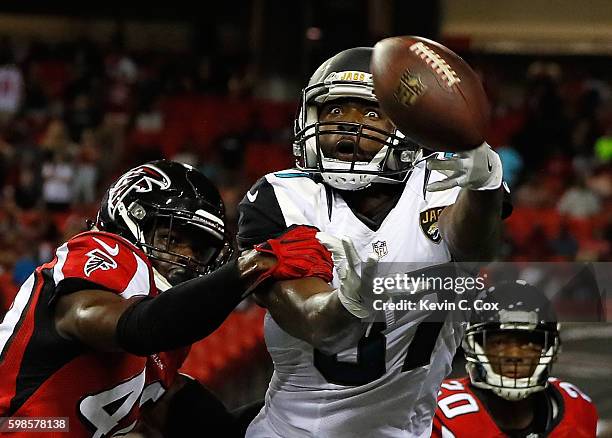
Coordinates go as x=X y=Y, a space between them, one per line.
x=428 y=219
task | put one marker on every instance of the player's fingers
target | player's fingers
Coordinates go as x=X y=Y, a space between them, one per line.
x=333 y=245
x=436 y=164
x=445 y=184
x=369 y=267
x=367 y=274
x=330 y=242
x=351 y=253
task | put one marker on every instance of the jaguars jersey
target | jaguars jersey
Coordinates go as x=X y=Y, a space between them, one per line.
x=312 y=394
x=43 y=374
x=567 y=412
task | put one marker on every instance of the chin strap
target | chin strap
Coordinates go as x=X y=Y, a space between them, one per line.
x=348 y=180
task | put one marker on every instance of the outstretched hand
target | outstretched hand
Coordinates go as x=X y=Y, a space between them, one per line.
x=355 y=275
x=476 y=169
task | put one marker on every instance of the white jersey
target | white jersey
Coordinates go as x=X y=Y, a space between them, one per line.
x=315 y=395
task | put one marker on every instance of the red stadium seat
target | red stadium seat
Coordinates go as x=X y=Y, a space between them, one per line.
x=274 y=116
x=237 y=341
x=262 y=158
x=524 y=219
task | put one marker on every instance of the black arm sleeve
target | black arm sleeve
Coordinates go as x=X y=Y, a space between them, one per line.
x=261 y=217
x=182 y=314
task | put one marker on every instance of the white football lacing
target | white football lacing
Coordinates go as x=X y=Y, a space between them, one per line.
x=439 y=65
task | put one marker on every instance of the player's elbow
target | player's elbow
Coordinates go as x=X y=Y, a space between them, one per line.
x=315 y=328
x=94 y=324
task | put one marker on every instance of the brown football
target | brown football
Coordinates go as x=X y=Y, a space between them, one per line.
x=430 y=93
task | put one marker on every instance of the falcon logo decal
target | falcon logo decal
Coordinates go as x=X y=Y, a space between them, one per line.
x=141 y=180
x=98 y=259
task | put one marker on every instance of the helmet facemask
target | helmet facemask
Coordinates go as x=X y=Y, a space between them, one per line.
x=511 y=377
x=391 y=164
x=166 y=231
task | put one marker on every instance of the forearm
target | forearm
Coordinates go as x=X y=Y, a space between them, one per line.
x=183 y=314
x=142 y=325
x=471 y=226
x=309 y=309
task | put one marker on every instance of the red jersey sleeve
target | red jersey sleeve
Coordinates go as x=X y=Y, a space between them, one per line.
x=97 y=260
x=579 y=413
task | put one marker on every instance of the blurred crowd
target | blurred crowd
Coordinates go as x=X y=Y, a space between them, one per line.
x=75 y=115
x=552 y=126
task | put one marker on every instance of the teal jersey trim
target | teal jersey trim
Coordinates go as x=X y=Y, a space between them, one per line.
x=291 y=175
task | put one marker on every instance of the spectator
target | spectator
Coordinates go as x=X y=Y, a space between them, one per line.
x=600 y=182
x=122 y=72
x=11 y=83
x=27 y=187
x=82 y=114
x=532 y=194
x=58 y=177
x=86 y=171
x=7 y=152
x=579 y=202
x=25 y=265
x=56 y=138
x=565 y=245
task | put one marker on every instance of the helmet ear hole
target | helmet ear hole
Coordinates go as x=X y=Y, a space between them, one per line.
x=137 y=211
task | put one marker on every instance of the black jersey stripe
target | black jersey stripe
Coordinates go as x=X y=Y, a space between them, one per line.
x=46 y=351
x=24 y=313
x=261 y=216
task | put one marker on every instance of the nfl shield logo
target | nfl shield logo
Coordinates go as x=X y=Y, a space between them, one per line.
x=380 y=248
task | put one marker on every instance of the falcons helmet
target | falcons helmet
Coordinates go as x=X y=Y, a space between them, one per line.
x=166 y=196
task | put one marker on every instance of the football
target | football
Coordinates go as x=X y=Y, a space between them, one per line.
x=431 y=94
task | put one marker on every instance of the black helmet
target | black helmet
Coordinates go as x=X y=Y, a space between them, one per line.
x=523 y=310
x=166 y=195
x=347 y=74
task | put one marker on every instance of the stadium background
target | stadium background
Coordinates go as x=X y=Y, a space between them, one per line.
x=84 y=95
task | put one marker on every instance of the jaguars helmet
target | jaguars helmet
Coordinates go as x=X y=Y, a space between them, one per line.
x=168 y=196
x=348 y=75
x=523 y=310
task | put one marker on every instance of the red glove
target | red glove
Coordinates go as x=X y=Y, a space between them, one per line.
x=298 y=254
